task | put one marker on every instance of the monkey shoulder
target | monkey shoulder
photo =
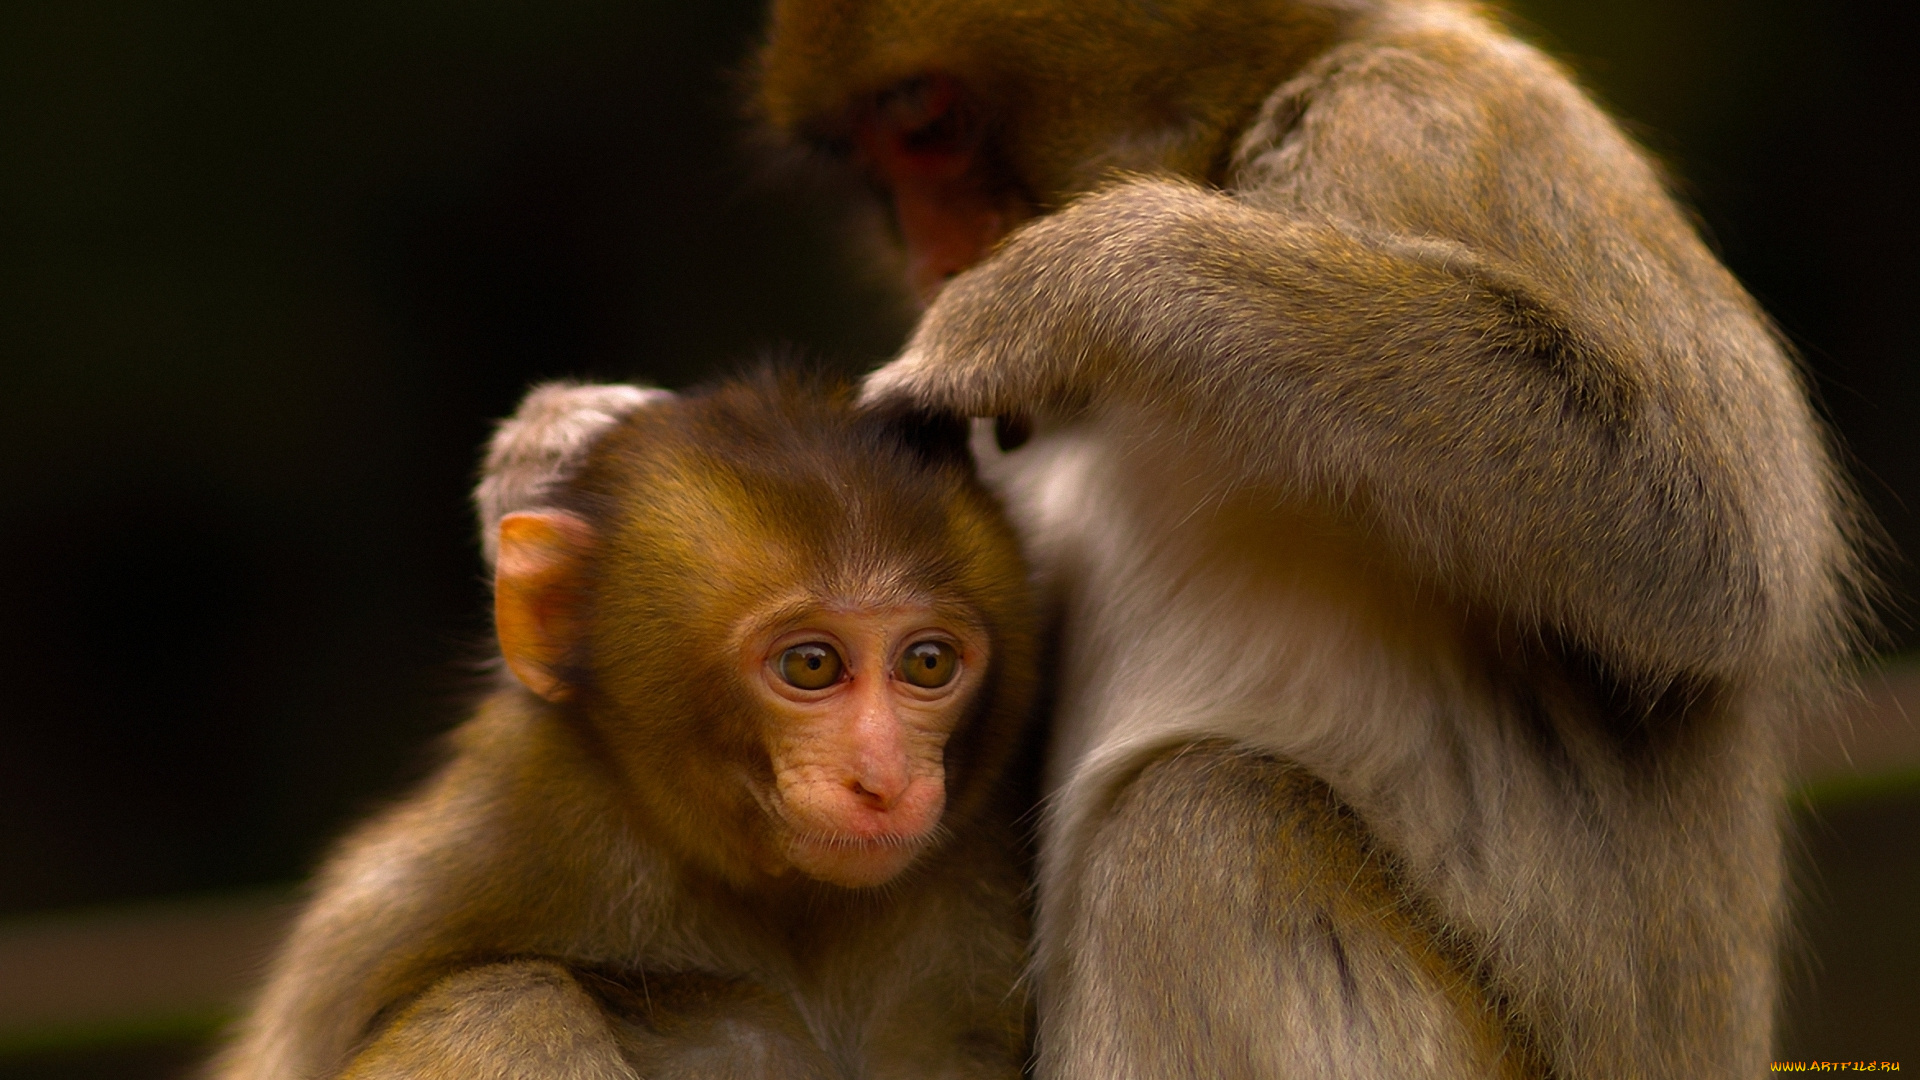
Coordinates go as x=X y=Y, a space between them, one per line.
x=526 y=806
x=446 y=874
x=1432 y=135
x=1471 y=136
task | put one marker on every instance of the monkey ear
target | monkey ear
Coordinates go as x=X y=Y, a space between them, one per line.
x=538 y=585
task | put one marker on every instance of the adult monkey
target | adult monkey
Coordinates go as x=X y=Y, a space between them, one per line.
x=1442 y=537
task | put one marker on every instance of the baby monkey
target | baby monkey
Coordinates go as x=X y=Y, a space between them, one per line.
x=747 y=809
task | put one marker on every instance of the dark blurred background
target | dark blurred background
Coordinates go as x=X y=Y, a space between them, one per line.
x=268 y=270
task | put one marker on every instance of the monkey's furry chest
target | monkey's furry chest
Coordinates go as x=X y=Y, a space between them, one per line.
x=1188 y=612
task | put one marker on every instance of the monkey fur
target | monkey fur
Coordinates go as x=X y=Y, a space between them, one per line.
x=1442 y=538
x=577 y=893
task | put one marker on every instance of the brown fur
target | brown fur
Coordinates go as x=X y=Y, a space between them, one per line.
x=1394 y=426
x=569 y=897
x=1358 y=946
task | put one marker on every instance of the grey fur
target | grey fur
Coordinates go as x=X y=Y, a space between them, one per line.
x=1436 y=456
x=543 y=443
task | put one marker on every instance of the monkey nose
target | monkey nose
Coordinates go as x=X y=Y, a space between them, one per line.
x=879 y=792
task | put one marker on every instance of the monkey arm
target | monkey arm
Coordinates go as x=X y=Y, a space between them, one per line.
x=1614 y=450
x=487 y=860
x=539 y=1019
x=523 y=1019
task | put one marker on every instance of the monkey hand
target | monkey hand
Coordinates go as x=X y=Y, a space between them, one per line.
x=542 y=444
x=1047 y=324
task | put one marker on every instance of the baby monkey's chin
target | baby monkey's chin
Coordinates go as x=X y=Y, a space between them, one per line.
x=853 y=862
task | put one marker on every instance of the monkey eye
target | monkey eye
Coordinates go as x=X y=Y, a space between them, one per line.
x=923 y=107
x=813 y=666
x=929 y=664
x=924 y=126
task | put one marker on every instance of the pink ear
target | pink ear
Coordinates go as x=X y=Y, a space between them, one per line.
x=536 y=595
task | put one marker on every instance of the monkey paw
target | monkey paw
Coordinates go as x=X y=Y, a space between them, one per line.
x=1033 y=329
x=913 y=380
x=544 y=442
x=971 y=356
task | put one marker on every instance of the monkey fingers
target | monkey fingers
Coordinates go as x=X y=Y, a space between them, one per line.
x=1021 y=333
x=542 y=444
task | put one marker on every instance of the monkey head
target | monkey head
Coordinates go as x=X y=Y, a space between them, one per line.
x=971 y=116
x=800 y=634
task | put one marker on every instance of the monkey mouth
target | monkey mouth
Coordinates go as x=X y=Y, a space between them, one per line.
x=856 y=860
x=840 y=841
x=829 y=840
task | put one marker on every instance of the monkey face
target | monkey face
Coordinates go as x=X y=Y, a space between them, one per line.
x=825 y=748
x=857 y=705
x=923 y=143
x=970 y=125
x=774 y=617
